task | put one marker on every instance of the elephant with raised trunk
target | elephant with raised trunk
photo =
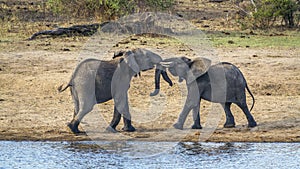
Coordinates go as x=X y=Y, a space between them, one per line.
x=221 y=83
x=97 y=81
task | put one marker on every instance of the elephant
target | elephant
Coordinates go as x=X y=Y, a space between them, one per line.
x=221 y=83
x=97 y=81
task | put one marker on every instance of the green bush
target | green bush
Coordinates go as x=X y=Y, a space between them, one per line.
x=106 y=9
x=55 y=5
x=159 y=5
x=270 y=12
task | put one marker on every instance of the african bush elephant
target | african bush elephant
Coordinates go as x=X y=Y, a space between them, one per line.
x=221 y=83
x=97 y=81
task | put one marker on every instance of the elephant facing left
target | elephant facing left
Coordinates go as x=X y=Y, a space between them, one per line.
x=221 y=83
x=97 y=81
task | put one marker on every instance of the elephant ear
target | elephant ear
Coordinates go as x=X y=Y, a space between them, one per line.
x=130 y=60
x=197 y=68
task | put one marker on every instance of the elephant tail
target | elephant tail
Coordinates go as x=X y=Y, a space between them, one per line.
x=61 y=89
x=253 y=100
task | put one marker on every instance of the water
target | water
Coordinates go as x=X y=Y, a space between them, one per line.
x=148 y=155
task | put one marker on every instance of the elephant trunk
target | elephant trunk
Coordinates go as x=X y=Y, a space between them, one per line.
x=165 y=76
x=157 y=82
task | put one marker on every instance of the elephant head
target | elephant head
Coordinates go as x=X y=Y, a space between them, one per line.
x=186 y=68
x=133 y=62
x=146 y=60
x=142 y=60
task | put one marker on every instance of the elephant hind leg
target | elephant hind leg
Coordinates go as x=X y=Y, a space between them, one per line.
x=76 y=107
x=127 y=125
x=73 y=125
x=84 y=108
x=244 y=107
x=229 y=117
x=75 y=101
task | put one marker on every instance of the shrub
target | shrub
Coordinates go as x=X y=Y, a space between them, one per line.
x=158 y=5
x=106 y=9
x=270 y=11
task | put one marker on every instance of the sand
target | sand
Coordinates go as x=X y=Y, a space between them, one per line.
x=32 y=109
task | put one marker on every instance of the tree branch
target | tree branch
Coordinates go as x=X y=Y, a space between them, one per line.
x=81 y=30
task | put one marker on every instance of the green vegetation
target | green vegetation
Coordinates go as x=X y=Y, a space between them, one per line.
x=271 y=13
x=21 y=19
x=237 y=39
x=106 y=9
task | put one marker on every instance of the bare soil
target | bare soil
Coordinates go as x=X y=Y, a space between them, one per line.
x=32 y=109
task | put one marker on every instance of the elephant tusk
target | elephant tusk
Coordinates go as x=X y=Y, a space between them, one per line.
x=167 y=64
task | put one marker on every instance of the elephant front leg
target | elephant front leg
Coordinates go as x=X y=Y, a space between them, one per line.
x=196 y=118
x=192 y=101
x=121 y=104
x=182 y=117
x=114 y=122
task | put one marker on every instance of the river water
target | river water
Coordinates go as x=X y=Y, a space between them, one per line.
x=134 y=154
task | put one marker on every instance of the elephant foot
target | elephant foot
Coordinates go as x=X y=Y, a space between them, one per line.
x=156 y=91
x=74 y=126
x=229 y=125
x=252 y=124
x=128 y=128
x=178 y=126
x=111 y=129
x=196 y=126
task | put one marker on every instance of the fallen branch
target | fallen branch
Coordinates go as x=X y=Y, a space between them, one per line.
x=137 y=27
x=76 y=30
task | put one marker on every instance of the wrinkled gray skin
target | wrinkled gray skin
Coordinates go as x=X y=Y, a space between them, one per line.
x=221 y=83
x=97 y=81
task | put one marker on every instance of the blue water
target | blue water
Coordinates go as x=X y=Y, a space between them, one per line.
x=148 y=155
